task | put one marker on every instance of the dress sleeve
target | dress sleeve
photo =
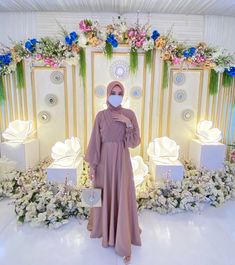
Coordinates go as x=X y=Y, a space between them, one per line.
x=92 y=154
x=132 y=137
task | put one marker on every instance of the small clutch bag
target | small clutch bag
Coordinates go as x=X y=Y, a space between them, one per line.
x=91 y=197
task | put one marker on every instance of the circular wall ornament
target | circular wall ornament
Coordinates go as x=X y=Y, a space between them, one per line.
x=51 y=100
x=187 y=115
x=179 y=78
x=136 y=92
x=100 y=91
x=44 y=116
x=57 y=77
x=180 y=95
x=119 y=70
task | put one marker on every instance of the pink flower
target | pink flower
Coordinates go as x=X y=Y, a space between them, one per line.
x=138 y=44
x=38 y=56
x=131 y=33
x=84 y=27
x=176 y=60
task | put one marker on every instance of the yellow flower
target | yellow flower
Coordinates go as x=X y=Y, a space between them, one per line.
x=160 y=42
x=166 y=56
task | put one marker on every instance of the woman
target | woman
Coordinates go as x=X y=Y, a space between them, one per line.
x=115 y=129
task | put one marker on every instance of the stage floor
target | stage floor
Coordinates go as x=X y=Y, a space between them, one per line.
x=207 y=238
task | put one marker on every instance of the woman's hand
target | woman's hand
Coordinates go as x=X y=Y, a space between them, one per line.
x=92 y=177
x=121 y=118
x=92 y=174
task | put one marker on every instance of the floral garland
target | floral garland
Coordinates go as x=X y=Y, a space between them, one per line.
x=54 y=53
x=43 y=203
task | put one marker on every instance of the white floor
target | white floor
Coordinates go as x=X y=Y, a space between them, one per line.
x=207 y=238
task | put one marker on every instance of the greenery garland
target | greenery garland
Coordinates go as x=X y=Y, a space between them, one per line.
x=20 y=75
x=149 y=58
x=165 y=75
x=133 y=61
x=108 y=50
x=2 y=95
x=214 y=82
x=227 y=80
x=82 y=65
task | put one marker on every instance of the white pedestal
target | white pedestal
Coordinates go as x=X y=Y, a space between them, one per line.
x=58 y=174
x=208 y=155
x=175 y=171
x=25 y=154
x=6 y=165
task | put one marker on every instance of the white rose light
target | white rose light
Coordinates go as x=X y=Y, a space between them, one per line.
x=207 y=134
x=18 y=131
x=66 y=154
x=163 y=150
x=140 y=169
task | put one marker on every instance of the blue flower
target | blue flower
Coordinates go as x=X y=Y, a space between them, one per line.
x=155 y=35
x=68 y=40
x=190 y=52
x=5 y=59
x=231 y=71
x=30 y=44
x=33 y=41
x=73 y=36
x=111 y=39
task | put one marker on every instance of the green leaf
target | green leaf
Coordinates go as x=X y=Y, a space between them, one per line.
x=82 y=64
x=108 y=50
x=165 y=75
x=20 y=75
x=148 y=58
x=227 y=80
x=133 y=61
x=214 y=81
x=2 y=95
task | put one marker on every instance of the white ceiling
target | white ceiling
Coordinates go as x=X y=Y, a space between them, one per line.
x=195 y=7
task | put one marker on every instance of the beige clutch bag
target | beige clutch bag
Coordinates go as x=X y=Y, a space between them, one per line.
x=91 y=197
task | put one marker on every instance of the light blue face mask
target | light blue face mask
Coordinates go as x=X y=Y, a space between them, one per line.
x=115 y=100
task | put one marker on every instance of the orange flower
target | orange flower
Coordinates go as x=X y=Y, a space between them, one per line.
x=75 y=47
x=110 y=28
x=160 y=42
x=166 y=56
x=208 y=65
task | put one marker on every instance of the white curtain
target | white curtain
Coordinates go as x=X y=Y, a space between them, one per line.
x=219 y=31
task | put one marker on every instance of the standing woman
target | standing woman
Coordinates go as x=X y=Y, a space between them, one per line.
x=115 y=129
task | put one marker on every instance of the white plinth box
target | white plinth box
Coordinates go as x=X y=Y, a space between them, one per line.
x=6 y=165
x=208 y=155
x=175 y=171
x=58 y=174
x=26 y=155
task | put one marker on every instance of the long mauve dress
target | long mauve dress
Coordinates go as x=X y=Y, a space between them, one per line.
x=108 y=155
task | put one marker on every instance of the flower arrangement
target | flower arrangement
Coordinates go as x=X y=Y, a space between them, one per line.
x=53 y=53
x=42 y=203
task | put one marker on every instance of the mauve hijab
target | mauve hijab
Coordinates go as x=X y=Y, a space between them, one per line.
x=110 y=86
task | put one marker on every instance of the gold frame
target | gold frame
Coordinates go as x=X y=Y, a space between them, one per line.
x=33 y=68
x=171 y=91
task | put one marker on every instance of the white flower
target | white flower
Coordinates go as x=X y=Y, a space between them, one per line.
x=18 y=131
x=148 y=44
x=82 y=40
x=206 y=133
x=164 y=150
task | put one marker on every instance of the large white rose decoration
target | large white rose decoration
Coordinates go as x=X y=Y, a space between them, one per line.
x=18 y=131
x=164 y=150
x=66 y=153
x=207 y=134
